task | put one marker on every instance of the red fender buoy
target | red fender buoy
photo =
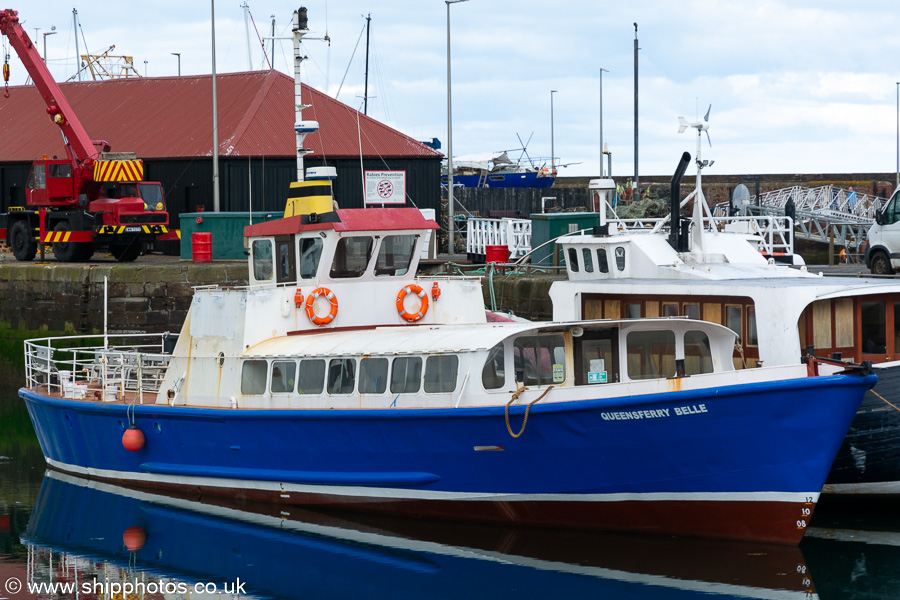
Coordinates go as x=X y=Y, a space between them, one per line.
x=134 y=538
x=133 y=439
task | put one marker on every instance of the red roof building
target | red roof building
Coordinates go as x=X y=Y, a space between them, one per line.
x=167 y=122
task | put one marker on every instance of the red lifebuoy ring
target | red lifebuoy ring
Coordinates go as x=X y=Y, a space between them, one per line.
x=412 y=317
x=311 y=304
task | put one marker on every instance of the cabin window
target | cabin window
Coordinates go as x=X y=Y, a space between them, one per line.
x=493 y=375
x=872 y=318
x=697 y=353
x=351 y=257
x=395 y=254
x=262 y=260
x=752 y=339
x=588 y=260
x=573 y=260
x=632 y=311
x=59 y=171
x=373 y=375
x=311 y=376
x=406 y=375
x=284 y=374
x=341 y=375
x=670 y=310
x=496 y=177
x=733 y=318
x=651 y=354
x=598 y=363
x=602 y=263
x=38 y=178
x=620 y=258
x=310 y=253
x=692 y=311
x=440 y=373
x=151 y=194
x=540 y=359
x=284 y=248
x=253 y=377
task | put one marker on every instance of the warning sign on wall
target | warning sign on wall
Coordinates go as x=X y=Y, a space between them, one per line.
x=385 y=187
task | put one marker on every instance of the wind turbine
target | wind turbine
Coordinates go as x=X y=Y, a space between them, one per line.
x=700 y=206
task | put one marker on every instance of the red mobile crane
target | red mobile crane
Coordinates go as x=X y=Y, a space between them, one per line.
x=66 y=205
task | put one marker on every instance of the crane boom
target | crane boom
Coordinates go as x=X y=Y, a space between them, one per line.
x=78 y=142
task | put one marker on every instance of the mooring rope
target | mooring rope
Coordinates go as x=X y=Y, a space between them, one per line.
x=885 y=400
x=515 y=397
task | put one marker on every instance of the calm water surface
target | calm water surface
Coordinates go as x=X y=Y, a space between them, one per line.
x=94 y=540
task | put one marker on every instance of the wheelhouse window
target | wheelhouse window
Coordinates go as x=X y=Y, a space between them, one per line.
x=351 y=257
x=310 y=253
x=573 y=260
x=493 y=374
x=253 y=377
x=284 y=375
x=632 y=310
x=670 y=310
x=406 y=375
x=284 y=248
x=311 y=376
x=588 y=257
x=540 y=359
x=692 y=311
x=620 y=258
x=602 y=262
x=341 y=375
x=651 y=354
x=262 y=260
x=752 y=339
x=395 y=255
x=440 y=373
x=697 y=353
x=733 y=318
x=373 y=375
x=151 y=194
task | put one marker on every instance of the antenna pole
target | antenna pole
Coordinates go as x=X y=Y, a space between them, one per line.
x=77 y=51
x=366 y=92
x=215 y=112
x=637 y=178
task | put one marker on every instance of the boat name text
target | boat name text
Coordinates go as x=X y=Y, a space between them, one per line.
x=630 y=415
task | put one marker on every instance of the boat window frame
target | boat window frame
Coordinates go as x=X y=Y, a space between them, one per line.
x=260 y=365
x=302 y=366
x=407 y=381
x=365 y=379
x=291 y=377
x=259 y=263
x=439 y=361
x=344 y=252
x=312 y=255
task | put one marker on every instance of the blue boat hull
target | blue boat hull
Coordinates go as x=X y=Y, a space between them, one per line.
x=503 y=180
x=744 y=461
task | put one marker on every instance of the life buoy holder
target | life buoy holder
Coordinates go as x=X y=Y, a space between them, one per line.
x=311 y=306
x=412 y=317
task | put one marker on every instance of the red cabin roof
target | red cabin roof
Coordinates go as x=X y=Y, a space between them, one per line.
x=351 y=219
x=171 y=117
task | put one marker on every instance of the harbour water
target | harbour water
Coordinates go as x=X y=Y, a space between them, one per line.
x=65 y=537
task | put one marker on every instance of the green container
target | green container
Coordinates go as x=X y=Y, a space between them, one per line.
x=548 y=226
x=227 y=229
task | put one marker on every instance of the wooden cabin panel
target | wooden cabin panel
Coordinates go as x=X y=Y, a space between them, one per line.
x=822 y=323
x=593 y=309
x=651 y=309
x=712 y=312
x=612 y=309
x=843 y=322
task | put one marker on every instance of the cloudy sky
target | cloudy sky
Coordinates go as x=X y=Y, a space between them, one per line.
x=795 y=86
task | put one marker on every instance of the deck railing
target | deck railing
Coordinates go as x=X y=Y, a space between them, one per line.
x=107 y=368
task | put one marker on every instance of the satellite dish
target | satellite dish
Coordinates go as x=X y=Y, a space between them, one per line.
x=741 y=195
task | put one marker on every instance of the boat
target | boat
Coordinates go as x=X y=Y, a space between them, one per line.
x=340 y=377
x=497 y=170
x=741 y=272
x=82 y=532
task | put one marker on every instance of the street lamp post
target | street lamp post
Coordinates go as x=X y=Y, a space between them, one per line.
x=602 y=70
x=51 y=32
x=450 y=208
x=178 y=54
x=552 y=146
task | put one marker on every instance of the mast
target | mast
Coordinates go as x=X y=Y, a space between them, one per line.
x=301 y=28
x=366 y=92
x=246 y=8
x=77 y=50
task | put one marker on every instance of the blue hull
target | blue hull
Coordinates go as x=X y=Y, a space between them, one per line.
x=330 y=556
x=745 y=461
x=503 y=180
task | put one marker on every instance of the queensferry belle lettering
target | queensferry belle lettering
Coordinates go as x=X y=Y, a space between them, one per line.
x=659 y=413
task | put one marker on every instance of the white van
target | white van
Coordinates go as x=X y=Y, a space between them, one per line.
x=883 y=239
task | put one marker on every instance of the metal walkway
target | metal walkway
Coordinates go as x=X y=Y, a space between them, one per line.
x=821 y=214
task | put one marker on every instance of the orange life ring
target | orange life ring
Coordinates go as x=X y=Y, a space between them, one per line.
x=423 y=308
x=311 y=303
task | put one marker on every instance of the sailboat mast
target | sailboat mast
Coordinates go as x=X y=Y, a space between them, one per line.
x=366 y=92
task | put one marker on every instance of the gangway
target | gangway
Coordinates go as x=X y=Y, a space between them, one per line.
x=822 y=214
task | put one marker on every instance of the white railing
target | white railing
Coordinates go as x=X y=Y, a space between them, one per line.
x=116 y=367
x=515 y=234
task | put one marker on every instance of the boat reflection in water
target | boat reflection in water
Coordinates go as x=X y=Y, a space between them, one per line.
x=179 y=543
